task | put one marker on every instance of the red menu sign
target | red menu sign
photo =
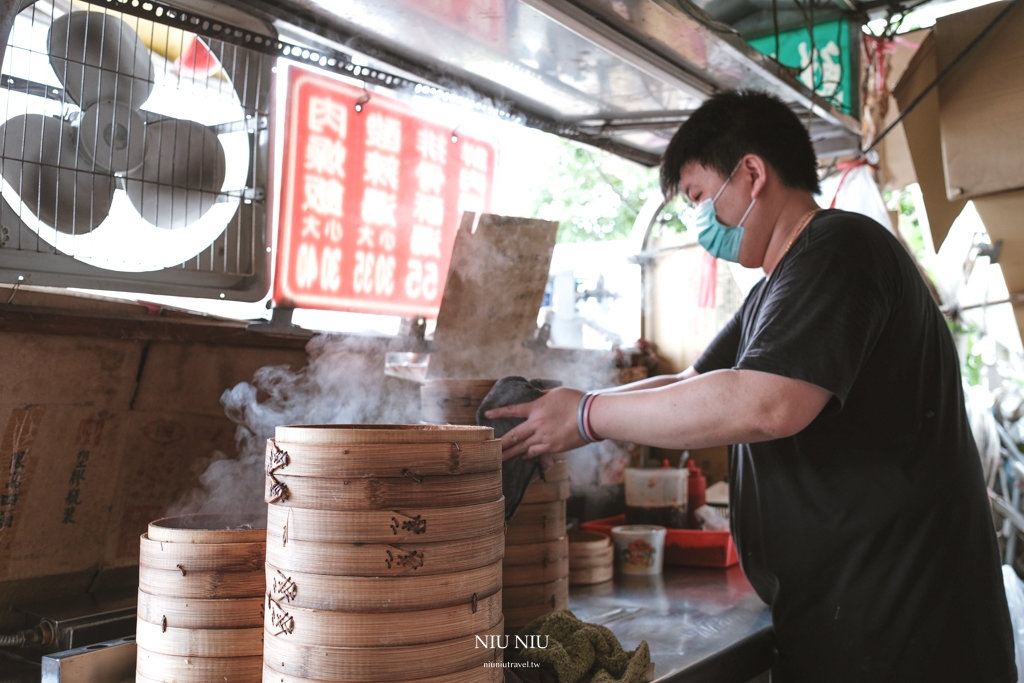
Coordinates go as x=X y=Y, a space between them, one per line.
x=371 y=199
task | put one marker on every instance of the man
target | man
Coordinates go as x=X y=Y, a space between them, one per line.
x=858 y=505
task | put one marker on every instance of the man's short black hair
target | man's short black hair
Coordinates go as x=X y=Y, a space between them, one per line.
x=732 y=124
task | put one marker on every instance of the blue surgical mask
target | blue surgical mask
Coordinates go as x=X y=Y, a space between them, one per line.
x=721 y=241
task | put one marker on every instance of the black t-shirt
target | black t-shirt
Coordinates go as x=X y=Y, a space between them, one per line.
x=869 y=532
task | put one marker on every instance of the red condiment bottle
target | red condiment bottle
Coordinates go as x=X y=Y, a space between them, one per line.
x=696 y=485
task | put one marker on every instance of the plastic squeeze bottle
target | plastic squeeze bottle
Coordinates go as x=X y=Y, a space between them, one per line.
x=696 y=485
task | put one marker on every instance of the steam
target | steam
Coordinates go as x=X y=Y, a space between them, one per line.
x=342 y=383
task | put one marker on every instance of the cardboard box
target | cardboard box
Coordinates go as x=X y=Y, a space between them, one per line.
x=1001 y=214
x=980 y=102
x=924 y=139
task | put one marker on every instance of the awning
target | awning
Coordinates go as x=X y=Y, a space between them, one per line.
x=618 y=74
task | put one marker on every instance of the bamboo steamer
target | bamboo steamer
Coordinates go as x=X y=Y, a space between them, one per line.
x=477 y=674
x=354 y=435
x=517 y=616
x=389 y=568
x=382 y=460
x=536 y=522
x=453 y=401
x=380 y=559
x=549 y=593
x=187 y=642
x=546 y=492
x=590 y=549
x=200 y=600
x=194 y=584
x=383 y=493
x=380 y=594
x=197 y=613
x=591 y=558
x=175 y=669
x=366 y=664
x=205 y=529
x=559 y=470
x=527 y=574
x=424 y=525
x=586 y=576
x=543 y=553
x=202 y=557
x=325 y=628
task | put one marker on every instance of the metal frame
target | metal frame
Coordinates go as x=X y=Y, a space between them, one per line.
x=51 y=268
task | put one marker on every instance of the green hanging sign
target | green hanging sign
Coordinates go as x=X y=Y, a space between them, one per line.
x=829 y=70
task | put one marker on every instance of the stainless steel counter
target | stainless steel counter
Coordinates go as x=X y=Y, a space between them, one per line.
x=701 y=624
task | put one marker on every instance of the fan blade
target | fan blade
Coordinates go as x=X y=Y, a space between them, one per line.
x=99 y=57
x=40 y=160
x=182 y=174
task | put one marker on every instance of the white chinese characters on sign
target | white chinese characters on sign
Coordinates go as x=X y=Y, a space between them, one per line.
x=472 y=178
x=372 y=195
x=374 y=271
x=323 y=195
x=421 y=279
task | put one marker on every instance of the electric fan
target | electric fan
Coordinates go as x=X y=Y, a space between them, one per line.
x=131 y=146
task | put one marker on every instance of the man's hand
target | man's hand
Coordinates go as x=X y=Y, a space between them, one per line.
x=550 y=425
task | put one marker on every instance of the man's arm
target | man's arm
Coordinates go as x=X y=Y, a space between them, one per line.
x=718 y=408
x=651 y=382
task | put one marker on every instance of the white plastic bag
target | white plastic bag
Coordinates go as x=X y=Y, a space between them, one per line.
x=1015 y=599
x=855 y=190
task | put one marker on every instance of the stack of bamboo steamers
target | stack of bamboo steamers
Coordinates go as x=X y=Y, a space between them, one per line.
x=200 y=616
x=536 y=565
x=384 y=549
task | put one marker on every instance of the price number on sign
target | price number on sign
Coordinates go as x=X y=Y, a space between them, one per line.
x=326 y=267
x=421 y=282
x=374 y=274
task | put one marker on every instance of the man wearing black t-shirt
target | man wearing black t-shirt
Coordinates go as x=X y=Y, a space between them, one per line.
x=857 y=500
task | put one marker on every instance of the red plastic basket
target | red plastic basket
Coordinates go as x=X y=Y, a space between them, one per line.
x=683 y=547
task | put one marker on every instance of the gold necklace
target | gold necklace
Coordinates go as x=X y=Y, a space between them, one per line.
x=803 y=224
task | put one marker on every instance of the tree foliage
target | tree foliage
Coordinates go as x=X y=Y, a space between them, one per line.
x=593 y=195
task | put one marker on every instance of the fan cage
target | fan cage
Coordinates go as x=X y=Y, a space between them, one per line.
x=147 y=241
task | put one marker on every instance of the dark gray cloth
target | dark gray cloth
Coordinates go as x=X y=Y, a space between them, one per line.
x=517 y=472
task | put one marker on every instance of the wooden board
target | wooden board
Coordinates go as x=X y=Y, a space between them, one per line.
x=379 y=559
x=186 y=642
x=381 y=594
x=380 y=663
x=382 y=460
x=172 y=582
x=379 y=629
x=197 y=613
x=494 y=290
x=202 y=557
x=383 y=493
x=425 y=525
x=352 y=435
